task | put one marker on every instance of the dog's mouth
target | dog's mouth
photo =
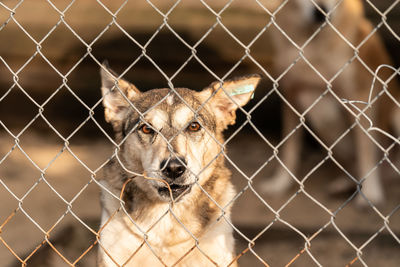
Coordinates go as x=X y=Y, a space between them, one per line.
x=176 y=190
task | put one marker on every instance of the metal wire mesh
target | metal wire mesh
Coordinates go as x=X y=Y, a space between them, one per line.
x=274 y=214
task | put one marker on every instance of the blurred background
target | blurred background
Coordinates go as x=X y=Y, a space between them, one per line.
x=50 y=97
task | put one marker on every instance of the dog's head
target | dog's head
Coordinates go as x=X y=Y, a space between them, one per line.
x=174 y=137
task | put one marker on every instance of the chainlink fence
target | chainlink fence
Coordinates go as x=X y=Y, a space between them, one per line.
x=334 y=85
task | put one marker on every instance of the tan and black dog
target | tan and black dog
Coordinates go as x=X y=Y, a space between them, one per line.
x=169 y=138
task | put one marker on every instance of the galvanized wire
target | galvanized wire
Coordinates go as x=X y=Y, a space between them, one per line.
x=352 y=106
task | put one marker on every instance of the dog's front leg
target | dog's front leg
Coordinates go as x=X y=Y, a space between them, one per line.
x=367 y=160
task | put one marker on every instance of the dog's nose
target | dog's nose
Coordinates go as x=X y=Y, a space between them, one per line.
x=318 y=15
x=173 y=168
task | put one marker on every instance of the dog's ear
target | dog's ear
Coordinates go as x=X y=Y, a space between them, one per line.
x=224 y=98
x=115 y=94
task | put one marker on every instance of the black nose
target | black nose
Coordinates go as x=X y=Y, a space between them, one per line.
x=173 y=168
x=318 y=15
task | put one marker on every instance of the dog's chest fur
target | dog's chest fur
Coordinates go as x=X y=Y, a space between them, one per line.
x=168 y=232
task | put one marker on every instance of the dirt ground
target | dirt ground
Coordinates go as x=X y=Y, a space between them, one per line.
x=277 y=239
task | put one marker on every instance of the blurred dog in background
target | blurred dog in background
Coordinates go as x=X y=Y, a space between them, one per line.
x=317 y=68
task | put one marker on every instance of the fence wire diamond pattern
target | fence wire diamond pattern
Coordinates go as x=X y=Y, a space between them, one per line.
x=274 y=21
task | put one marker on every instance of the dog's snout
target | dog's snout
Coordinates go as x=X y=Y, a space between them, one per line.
x=173 y=168
x=318 y=15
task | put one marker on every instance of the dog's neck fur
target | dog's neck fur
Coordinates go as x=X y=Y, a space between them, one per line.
x=195 y=211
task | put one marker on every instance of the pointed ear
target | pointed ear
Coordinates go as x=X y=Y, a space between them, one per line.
x=225 y=98
x=115 y=94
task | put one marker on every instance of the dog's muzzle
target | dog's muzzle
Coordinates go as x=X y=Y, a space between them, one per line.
x=173 y=169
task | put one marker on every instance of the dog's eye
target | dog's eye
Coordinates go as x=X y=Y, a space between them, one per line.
x=146 y=129
x=194 y=126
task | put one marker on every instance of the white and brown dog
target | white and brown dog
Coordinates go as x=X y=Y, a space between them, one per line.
x=176 y=207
